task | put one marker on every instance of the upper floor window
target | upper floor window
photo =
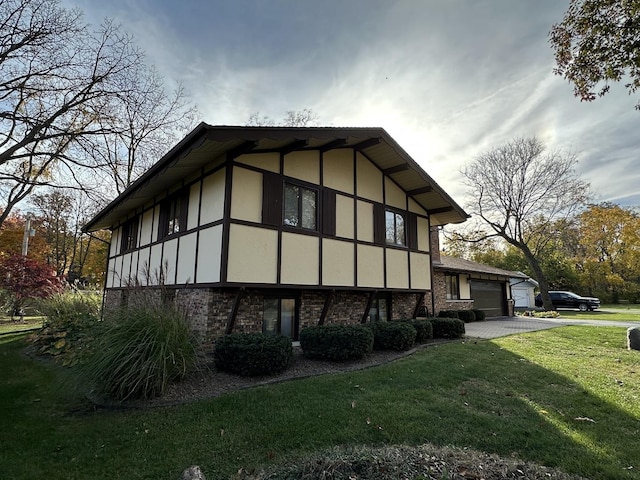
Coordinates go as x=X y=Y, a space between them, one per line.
x=173 y=215
x=129 y=239
x=300 y=207
x=452 y=287
x=394 y=228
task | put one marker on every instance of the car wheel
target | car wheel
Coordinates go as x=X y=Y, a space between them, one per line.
x=583 y=307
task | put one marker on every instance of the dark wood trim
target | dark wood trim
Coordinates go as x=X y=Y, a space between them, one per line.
x=226 y=222
x=395 y=169
x=337 y=143
x=327 y=305
x=244 y=147
x=354 y=161
x=419 y=303
x=419 y=191
x=231 y=318
x=293 y=146
x=367 y=308
x=198 y=228
x=366 y=144
x=435 y=211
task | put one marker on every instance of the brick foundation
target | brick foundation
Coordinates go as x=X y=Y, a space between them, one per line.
x=208 y=309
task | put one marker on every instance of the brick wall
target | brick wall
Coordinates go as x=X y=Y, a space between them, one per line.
x=208 y=309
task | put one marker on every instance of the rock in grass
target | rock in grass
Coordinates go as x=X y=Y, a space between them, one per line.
x=192 y=473
x=633 y=338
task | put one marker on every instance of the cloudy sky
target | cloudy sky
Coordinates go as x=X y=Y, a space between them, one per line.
x=447 y=79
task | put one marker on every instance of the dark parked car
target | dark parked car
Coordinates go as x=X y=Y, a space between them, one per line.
x=570 y=300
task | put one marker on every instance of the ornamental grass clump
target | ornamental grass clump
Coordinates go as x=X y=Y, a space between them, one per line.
x=139 y=351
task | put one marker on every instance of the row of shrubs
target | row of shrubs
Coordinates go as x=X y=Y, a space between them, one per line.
x=467 y=316
x=257 y=354
x=135 y=352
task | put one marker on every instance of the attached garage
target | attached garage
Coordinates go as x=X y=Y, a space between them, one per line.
x=461 y=284
x=490 y=297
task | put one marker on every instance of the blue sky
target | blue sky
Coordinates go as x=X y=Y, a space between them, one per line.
x=447 y=79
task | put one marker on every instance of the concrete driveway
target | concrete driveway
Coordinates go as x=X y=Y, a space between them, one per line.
x=503 y=326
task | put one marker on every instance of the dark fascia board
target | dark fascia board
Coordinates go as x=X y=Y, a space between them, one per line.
x=371 y=136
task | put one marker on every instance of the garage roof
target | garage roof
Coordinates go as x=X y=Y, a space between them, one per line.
x=207 y=143
x=456 y=264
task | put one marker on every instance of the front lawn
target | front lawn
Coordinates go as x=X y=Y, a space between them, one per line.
x=29 y=323
x=566 y=398
x=619 y=313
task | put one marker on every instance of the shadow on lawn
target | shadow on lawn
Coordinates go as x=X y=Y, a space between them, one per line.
x=509 y=405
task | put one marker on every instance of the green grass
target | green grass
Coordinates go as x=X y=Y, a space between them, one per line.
x=618 y=313
x=566 y=398
x=29 y=323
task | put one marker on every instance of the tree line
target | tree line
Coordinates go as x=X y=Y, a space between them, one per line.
x=595 y=252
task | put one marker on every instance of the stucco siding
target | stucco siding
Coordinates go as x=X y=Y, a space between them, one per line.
x=344 y=216
x=420 y=271
x=365 y=221
x=338 y=263
x=300 y=259
x=265 y=161
x=337 y=170
x=253 y=255
x=209 y=255
x=246 y=193
x=394 y=195
x=187 y=259
x=303 y=166
x=370 y=266
x=369 y=179
x=213 y=190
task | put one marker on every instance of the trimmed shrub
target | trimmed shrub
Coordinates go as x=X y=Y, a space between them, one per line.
x=336 y=342
x=393 y=335
x=447 y=327
x=253 y=354
x=467 y=316
x=480 y=315
x=139 y=351
x=424 y=329
x=70 y=322
x=448 y=314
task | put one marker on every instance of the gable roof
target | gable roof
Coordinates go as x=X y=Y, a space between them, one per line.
x=461 y=265
x=206 y=143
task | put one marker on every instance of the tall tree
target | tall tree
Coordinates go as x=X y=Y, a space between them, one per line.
x=521 y=191
x=57 y=76
x=144 y=123
x=598 y=42
x=609 y=255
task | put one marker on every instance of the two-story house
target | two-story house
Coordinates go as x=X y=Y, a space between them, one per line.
x=270 y=229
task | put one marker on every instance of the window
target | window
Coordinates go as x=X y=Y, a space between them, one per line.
x=300 y=207
x=129 y=239
x=173 y=215
x=394 y=228
x=379 y=311
x=279 y=317
x=453 y=288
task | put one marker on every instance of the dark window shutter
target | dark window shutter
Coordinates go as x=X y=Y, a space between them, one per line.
x=184 y=208
x=379 y=226
x=328 y=212
x=163 y=219
x=412 y=230
x=271 y=199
